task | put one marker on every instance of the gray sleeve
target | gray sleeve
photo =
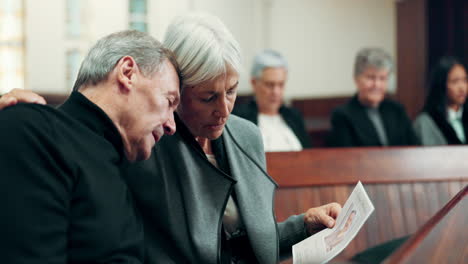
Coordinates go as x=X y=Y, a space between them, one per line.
x=427 y=131
x=290 y=232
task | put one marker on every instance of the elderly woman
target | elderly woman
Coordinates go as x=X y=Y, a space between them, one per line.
x=282 y=127
x=369 y=119
x=205 y=195
x=444 y=119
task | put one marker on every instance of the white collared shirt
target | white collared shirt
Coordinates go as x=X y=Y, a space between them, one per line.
x=455 y=120
x=277 y=135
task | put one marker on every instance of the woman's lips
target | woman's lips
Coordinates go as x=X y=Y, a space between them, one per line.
x=216 y=126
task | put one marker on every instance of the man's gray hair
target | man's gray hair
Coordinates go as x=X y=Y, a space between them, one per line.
x=267 y=59
x=204 y=48
x=147 y=52
x=372 y=57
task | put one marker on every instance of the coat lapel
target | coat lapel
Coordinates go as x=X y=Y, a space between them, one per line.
x=255 y=193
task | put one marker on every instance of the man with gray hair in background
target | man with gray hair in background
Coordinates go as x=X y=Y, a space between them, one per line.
x=282 y=127
x=370 y=119
x=62 y=194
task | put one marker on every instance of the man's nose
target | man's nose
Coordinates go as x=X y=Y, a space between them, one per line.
x=170 y=126
x=277 y=90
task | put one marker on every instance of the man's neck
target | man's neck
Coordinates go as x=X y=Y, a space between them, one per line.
x=103 y=96
x=268 y=111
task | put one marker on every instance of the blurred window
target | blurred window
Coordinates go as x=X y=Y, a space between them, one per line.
x=11 y=45
x=137 y=15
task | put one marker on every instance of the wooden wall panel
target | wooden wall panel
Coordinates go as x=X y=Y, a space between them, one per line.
x=396 y=214
x=411 y=54
x=408 y=206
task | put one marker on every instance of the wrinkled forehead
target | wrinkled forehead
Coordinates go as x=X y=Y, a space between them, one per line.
x=274 y=73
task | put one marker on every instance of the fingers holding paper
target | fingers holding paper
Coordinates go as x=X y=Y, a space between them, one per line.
x=321 y=217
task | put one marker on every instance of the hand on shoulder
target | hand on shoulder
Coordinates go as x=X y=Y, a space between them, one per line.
x=20 y=96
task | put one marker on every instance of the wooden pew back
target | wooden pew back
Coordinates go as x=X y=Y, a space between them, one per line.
x=407 y=185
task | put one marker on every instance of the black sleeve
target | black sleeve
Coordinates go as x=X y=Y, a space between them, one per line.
x=410 y=135
x=34 y=192
x=340 y=134
x=302 y=130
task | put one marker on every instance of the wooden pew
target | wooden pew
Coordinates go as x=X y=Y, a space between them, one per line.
x=317 y=114
x=406 y=184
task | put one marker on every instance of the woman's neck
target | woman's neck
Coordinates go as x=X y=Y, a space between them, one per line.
x=205 y=144
x=454 y=107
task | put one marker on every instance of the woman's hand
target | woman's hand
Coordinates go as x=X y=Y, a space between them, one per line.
x=20 y=96
x=321 y=217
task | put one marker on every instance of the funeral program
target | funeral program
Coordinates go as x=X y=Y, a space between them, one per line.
x=326 y=244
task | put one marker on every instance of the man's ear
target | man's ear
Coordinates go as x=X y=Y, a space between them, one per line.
x=126 y=72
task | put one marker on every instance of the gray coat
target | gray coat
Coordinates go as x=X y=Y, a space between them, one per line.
x=182 y=196
x=428 y=131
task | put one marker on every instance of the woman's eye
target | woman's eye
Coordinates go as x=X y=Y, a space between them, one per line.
x=207 y=100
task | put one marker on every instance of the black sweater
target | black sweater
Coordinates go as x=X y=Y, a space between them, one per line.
x=62 y=194
x=351 y=126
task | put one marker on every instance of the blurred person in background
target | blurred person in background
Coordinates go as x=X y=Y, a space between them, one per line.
x=282 y=127
x=444 y=119
x=370 y=119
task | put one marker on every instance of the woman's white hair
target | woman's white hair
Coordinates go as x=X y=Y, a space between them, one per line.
x=204 y=48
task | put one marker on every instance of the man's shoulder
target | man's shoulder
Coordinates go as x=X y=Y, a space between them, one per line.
x=344 y=110
x=291 y=111
x=27 y=116
x=392 y=104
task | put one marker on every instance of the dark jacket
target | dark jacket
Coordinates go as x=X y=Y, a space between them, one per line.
x=291 y=116
x=351 y=126
x=182 y=198
x=62 y=194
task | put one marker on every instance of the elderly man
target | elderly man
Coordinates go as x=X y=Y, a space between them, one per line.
x=369 y=119
x=282 y=127
x=62 y=194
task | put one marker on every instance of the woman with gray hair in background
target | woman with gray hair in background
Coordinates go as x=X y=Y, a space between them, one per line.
x=282 y=127
x=370 y=119
x=205 y=195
